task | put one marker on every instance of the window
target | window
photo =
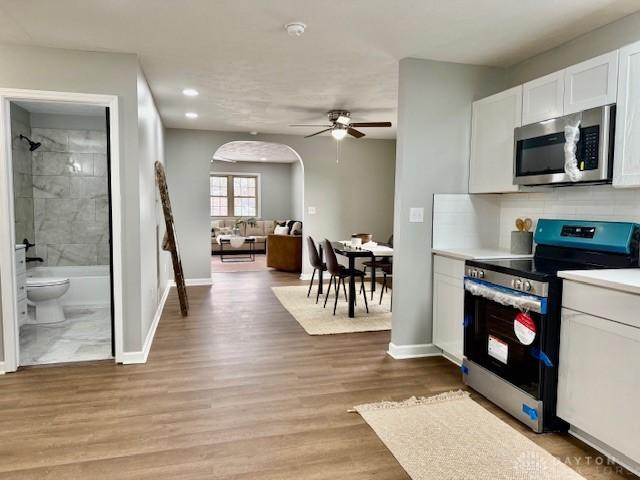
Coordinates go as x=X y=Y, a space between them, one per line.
x=234 y=195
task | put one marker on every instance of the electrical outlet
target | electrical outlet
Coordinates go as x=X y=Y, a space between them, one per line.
x=311 y=210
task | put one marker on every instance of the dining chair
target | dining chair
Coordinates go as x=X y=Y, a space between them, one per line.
x=338 y=274
x=387 y=271
x=378 y=262
x=316 y=263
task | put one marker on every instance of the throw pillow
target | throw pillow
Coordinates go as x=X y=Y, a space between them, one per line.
x=279 y=230
x=296 y=228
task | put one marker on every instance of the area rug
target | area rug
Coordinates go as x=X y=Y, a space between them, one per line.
x=320 y=321
x=451 y=437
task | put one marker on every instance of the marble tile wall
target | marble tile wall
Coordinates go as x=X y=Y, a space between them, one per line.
x=22 y=177
x=70 y=202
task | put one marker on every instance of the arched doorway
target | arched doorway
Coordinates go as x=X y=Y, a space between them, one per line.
x=255 y=186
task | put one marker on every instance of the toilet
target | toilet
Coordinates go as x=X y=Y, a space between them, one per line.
x=44 y=293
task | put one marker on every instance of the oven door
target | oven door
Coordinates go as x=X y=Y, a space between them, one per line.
x=539 y=149
x=502 y=337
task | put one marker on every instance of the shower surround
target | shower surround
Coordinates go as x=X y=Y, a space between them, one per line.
x=70 y=197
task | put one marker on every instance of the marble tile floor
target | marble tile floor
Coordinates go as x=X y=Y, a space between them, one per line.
x=85 y=335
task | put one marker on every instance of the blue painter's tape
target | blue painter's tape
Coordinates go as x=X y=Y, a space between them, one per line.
x=467 y=321
x=464 y=369
x=530 y=411
x=540 y=355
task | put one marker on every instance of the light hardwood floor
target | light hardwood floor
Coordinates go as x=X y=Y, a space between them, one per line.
x=237 y=391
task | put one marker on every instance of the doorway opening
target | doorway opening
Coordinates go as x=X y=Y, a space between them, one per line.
x=61 y=276
x=256 y=207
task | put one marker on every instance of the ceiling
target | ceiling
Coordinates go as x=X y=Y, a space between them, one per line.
x=256 y=151
x=253 y=77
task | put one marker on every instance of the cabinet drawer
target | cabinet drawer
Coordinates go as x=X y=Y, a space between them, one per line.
x=602 y=302
x=21 y=285
x=23 y=312
x=21 y=262
x=448 y=266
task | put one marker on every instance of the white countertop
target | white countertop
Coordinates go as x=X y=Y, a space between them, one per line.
x=482 y=253
x=623 y=279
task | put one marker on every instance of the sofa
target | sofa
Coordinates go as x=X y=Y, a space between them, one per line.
x=260 y=230
x=284 y=252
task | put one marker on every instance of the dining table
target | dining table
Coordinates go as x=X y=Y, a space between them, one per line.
x=353 y=252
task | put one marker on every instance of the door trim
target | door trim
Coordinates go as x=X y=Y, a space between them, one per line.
x=7 y=216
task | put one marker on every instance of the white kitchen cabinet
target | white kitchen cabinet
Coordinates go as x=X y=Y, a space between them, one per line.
x=626 y=165
x=448 y=306
x=591 y=84
x=598 y=382
x=493 y=121
x=543 y=98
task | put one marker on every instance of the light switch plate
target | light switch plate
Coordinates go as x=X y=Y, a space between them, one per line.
x=416 y=215
x=311 y=210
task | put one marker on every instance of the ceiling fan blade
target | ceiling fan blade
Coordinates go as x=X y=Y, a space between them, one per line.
x=223 y=159
x=355 y=133
x=371 y=124
x=318 y=133
x=310 y=125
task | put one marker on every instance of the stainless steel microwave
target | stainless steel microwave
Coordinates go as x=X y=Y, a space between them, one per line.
x=539 y=157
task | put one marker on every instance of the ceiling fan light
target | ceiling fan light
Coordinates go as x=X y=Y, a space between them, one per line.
x=343 y=120
x=339 y=133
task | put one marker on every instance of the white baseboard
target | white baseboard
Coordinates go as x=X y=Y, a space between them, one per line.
x=141 y=356
x=401 y=352
x=2 y=369
x=194 y=282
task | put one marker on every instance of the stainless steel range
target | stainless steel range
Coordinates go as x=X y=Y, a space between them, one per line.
x=512 y=314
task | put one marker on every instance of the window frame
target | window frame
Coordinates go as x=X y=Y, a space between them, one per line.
x=230 y=193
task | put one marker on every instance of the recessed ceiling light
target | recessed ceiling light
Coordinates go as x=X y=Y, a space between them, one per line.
x=253 y=132
x=190 y=92
x=191 y=115
x=264 y=159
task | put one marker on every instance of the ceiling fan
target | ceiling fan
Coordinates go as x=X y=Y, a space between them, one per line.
x=341 y=125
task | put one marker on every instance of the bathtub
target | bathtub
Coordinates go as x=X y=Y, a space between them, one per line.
x=88 y=285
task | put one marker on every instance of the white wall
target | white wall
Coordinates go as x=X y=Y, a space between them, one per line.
x=355 y=195
x=275 y=185
x=434 y=123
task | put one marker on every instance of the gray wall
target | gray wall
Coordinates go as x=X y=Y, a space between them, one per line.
x=114 y=74
x=354 y=195
x=603 y=40
x=275 y=185
x=434 y=124
x=297 y=191
x=70 y=122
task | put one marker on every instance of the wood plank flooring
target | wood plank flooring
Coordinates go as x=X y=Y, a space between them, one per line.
x=237 y=391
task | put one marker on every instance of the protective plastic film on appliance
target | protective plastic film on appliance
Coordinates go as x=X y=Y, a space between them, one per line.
x=505 y=296
x=572 y=135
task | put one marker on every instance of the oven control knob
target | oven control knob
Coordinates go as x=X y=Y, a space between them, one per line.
x=526 y=286
x=474 y=273
x=517 y=283
x=480 y=273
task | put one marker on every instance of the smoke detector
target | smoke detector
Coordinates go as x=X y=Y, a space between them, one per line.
x=295 y=29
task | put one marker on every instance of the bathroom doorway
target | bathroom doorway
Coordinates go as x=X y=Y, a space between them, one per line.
x=61 y=210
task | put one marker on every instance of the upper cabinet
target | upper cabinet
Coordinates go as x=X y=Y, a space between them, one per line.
x=591 y=84
x=493 y=121
x=543 y=98
x=626 y=164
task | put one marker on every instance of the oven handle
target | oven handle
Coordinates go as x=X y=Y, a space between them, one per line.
x=505 y=296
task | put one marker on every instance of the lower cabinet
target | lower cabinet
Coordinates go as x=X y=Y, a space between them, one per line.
x=448 y=306
x=599 y=384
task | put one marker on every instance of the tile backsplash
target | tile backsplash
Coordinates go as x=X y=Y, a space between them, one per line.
x=69 y=188
x=601 y=202
x=466 y=221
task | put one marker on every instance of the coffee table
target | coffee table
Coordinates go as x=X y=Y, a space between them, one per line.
x=231 y=242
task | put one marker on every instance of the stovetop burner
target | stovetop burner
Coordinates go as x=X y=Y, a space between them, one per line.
x=534 y=268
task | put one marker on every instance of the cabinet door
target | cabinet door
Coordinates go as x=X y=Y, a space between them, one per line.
x=598 y=384
x=493 y=121
x=543 y=98
x=626 y=165
x=591 y=84
x=448 y=314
